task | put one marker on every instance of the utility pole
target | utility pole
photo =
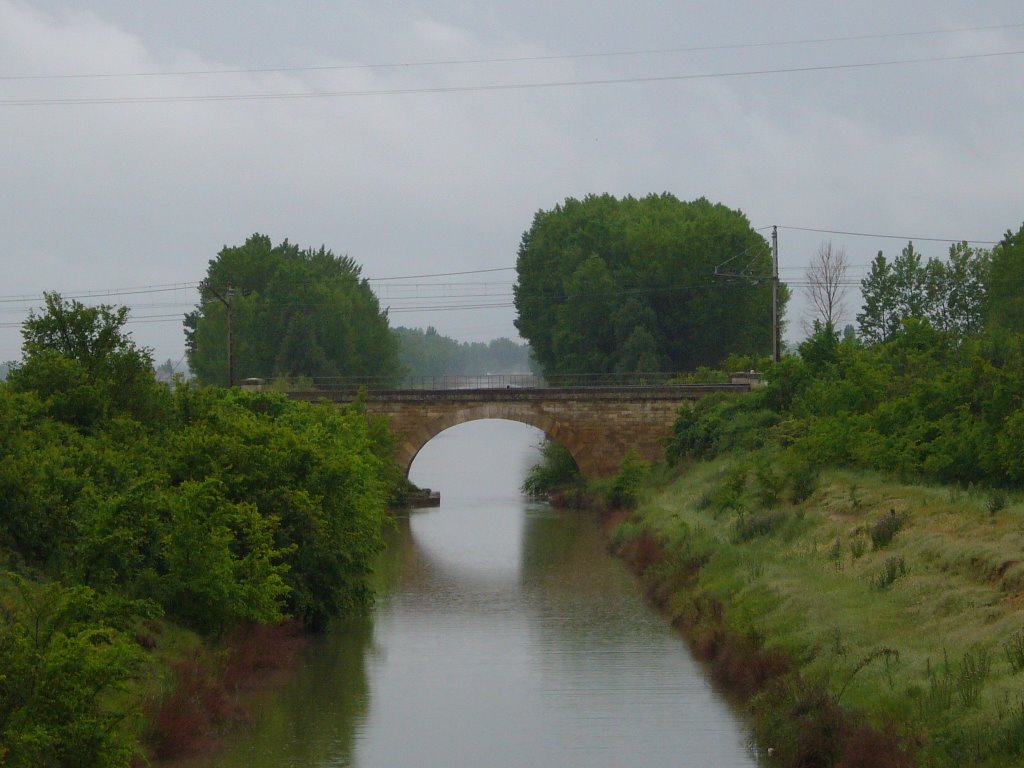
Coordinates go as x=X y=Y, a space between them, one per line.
x=226 y=301
x=775 y=294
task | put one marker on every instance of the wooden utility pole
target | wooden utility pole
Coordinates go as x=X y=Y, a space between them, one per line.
x=226 y=301
x=775 y=294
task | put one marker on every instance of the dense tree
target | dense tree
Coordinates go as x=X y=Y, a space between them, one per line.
x=428 y=353
x=294 y=312
x=950 y=294
x=62 y=667
x=1005 y=300
x=85 y=368
x=619 y=285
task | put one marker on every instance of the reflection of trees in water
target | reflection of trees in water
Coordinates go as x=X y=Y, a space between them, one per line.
x=313 y=718
x=565 y=580
x=575 y=584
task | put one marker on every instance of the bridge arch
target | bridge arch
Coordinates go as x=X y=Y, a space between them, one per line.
x=598 y=426
x=415 y=439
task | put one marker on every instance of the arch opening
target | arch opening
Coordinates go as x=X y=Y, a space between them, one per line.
x=495 y=454
x=414 y=440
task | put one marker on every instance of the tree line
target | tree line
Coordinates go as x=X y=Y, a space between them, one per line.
x=124 y=501
x=931 y=385
x=429 y=353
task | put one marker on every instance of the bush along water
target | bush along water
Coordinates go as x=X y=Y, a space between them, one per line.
x=144 y=528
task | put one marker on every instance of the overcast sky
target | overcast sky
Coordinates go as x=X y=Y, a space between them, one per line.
x=431 y=163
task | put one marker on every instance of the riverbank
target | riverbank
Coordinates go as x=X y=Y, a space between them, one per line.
x=197 y=692
x=870 y=623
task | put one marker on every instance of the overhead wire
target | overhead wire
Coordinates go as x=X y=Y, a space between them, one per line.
x=492 y=87
x=512 y=59
x=890 y=237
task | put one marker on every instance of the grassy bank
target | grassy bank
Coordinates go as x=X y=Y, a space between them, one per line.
x=869 y=623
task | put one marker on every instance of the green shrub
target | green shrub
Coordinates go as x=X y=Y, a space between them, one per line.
x=884 y=529
x=802 y=478
x=1014 y=649
x=556 y=468
x=769 y=484
x=892 y=569
x=997 y=501
x=760 y=524
x=624 y=489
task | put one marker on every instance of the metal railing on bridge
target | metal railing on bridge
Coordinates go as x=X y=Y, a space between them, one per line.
x=492 y=381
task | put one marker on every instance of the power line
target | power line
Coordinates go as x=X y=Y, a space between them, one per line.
x=493 y=87
x=511 y=59
x=892 y=237
x=440 y=274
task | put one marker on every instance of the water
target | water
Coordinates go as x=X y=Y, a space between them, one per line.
x=503 y=636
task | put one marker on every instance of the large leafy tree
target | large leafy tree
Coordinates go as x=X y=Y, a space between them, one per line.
x=85 y=367
x=610 y=285
x=295 y=312
x=1005 y=299
x=950 y=294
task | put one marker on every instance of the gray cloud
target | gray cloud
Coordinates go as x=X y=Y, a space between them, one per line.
x=113 y=195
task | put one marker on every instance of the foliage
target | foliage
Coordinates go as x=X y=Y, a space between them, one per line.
x=1005 y=300
x=1014 y=650
x=294 y=313
x=85 y=368
x=555 y=470
x=893 y=567
x=428 y=353
x=884 y=529
x=721 y=423
x=213 y=507
x=625 y=486
x=950 y=294
x=60 y=662
x=609 y=285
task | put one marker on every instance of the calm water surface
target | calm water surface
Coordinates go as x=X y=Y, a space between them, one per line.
x=503 y=636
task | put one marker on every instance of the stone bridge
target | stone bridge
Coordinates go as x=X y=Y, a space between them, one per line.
x=598 y=425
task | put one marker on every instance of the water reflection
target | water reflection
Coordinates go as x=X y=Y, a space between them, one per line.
x=504 y=636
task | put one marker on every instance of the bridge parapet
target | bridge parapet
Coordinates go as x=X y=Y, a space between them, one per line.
x=674 y=393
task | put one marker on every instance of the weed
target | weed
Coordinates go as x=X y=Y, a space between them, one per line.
x=835 y=555
x=940 y=685
x=799 y=723
x=892 y=569
x=838 y=649
x=803 y=481
x=997 y=501
x=884 y=529
x=1014 y=649
x=727 y=495
x=769 y=485
x=889 y=654
x=972 y=674
x=760 y=524
x=858 y=546
x=854 y=496
x=835 y=552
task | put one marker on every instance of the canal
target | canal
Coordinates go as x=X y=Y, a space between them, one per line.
x=503 y=635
